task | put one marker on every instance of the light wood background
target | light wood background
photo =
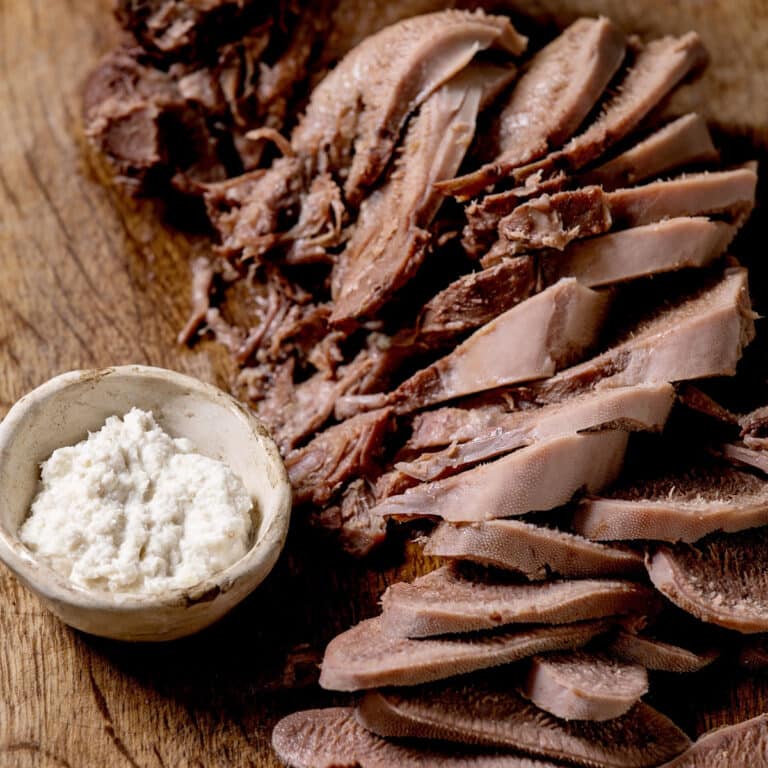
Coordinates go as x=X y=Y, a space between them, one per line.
x=89 y=278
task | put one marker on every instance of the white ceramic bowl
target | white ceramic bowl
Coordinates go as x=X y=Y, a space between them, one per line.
x=61 y=412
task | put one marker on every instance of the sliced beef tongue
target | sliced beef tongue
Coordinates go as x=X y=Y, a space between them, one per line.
x=679 y=505
x=658 y=655
x=446 y=602
x=721 y=580
x=486 y=710
x=584 y=686
x=532 y=550
x=369 y=656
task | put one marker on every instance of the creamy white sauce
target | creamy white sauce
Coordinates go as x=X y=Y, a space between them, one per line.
x=131 y=509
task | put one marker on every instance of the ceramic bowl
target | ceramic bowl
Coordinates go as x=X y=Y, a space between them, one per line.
x=61 y=412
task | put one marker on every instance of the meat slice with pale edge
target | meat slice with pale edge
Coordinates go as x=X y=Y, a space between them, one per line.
x=537 y=478
x=560 y=86
x=657 y=655
x=741 y=454
x=685 y=141
x=652 y=249
x=584 y=686
x=532 y=550
x=722 y=580
x=490 y=712
x=744 y=745
x=369 y=656
x=679 y=506
x=333 y=738
x=444 y=602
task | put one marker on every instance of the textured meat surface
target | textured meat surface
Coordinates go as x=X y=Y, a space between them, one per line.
x=540 y=477
x=722 y=580
x=666 y=246
x=584 y=686
x=368 y=656
x=488 y=710
x=333 y=738
x=744 y=745
x=680 y=506
x=657 y=655
x=445 y=602
x=532 y=550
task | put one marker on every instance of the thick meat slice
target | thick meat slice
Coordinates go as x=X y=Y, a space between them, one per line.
x=584 y=686
x=342 y=451
x=539 y=477
x=368 y=656
x=685 y=141
x=532 y=550
x=560 y=86
x=445 y=602
x=631 y=408
x=722 y=580
x=487 y=710
x=390 y=240
x=667 y=246
x=744 y=745
x=657 y=655
x=679 y=506
x=333 y=738
x=719 y=192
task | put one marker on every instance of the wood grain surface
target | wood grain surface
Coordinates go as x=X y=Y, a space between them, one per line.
x=89 y=278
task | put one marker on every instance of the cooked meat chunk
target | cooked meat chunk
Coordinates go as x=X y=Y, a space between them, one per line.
x=368 y=656
x=657 y=655
x=584 y=686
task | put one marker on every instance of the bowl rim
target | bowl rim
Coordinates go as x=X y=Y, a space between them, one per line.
x=258 y=561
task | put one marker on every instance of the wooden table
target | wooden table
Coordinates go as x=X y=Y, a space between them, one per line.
x=89 y=278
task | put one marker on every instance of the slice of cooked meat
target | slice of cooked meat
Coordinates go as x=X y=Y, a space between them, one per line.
x=722 y=580
x=744 y=745
x=537 y=478
x=495 y=432
x=741 y=454
x=390 y=240
x=677 y=506
x=368 y=656
x=657 y=655
x=345 y=450
x=730 y=193
x=641 y=251
x=202 y=281
x=755 y=423
x=561 y=84
x=445 y=602
x=685 y=141
x=753 y=654
x=642 y=407
x=333 y=738
x=584 y=686
x=532 y=550
x=548 y=330
x=487 y=710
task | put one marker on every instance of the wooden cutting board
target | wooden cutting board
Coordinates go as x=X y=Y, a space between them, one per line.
x=88 y=279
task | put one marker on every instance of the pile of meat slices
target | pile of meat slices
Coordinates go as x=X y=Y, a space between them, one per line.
x=456 y=288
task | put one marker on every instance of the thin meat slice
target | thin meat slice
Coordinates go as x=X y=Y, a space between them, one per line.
x=584 y=686
x=333 y=738
x=657 y=655
x=730 y=193
x=641 y=251
x=560 y=86
x=677 y=506
x=487 y=710
x=320 y=468
x=499 y=432
x=753 y=654
x=685 y=141
x=741 y=454
x=532 y=550
x=744 y=745
x=390 y=240
x=368 y=656
x=722 y=580
x=445 y=602
x=542 y=476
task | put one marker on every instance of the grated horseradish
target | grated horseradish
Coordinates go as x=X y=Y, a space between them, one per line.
x=132 y=509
